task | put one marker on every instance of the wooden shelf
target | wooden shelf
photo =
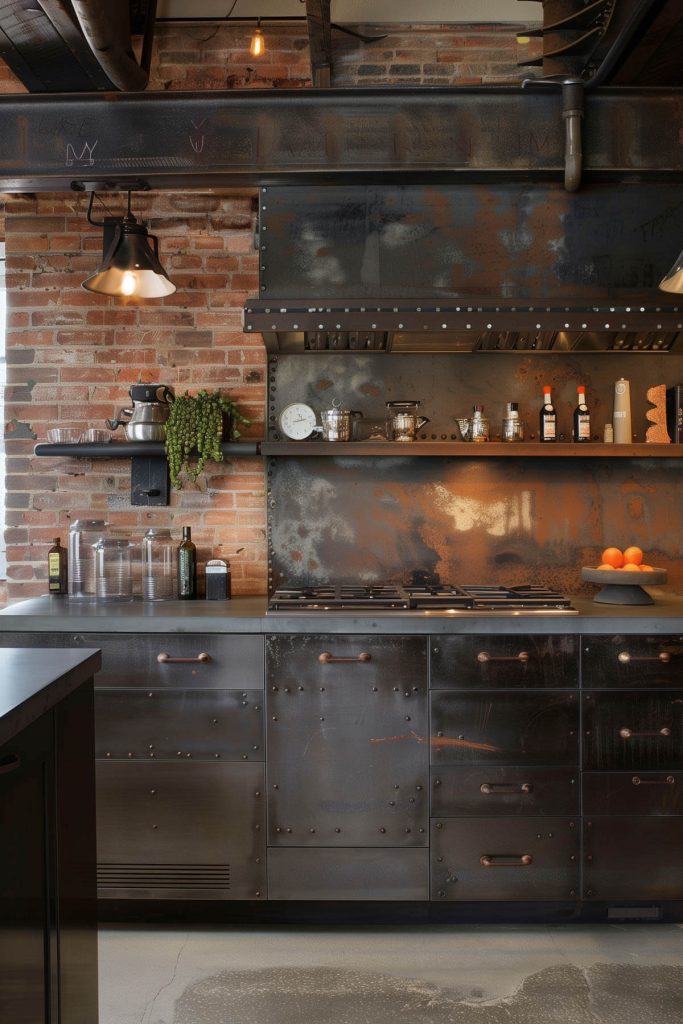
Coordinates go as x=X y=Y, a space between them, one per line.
x=491 y=449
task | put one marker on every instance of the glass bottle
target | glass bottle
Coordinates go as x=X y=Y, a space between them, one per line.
x=513 y=428
x=548 y=417
x=582 y=417
x=187 y=567
x=159 y=566
x=57 y=581
x=480 y=425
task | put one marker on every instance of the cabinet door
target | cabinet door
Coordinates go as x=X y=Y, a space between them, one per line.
x=180 y=830
x=504 y=728
x=633 y=731
x=509 y=661
x=632 y=793
x=519 y=791
x=347 y=741
x=632 y=661
x=632 y=858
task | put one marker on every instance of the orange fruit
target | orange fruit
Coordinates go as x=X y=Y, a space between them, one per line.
x=630 y=567
x=613 y=557
x=646 y=568
x=633 y=555
x=606 y=565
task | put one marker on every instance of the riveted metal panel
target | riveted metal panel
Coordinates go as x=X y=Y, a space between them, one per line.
x=350 y=874
x=632 y=661
x=632 y=792
x=504 y=859
x=347 y=741
x=629 y=858
x=623 y=730
x=504 y=791
x=506 y=662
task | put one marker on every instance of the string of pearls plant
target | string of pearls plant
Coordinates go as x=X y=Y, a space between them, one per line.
x=194 y=431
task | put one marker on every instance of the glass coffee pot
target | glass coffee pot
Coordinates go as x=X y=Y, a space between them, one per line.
x=404 y=421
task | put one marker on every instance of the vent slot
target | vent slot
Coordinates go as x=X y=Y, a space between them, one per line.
x=634 y=913
x=163 y=876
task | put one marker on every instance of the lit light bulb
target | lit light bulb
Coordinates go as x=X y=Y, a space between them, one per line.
x=128 y=283
x=258 y=43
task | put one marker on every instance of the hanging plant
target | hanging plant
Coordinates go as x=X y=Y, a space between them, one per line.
x=194 y=430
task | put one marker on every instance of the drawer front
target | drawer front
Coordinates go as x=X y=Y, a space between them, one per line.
x=631 y=858
x=207 y=725
x=351 y=874
x=632 y=661
x=503 y=662
x=321 y=659
x=230 y=661
x=504 y=859
x=633 y=731
x=627 y=793
x=504 y=728
x=181 y=830
x=504 y=791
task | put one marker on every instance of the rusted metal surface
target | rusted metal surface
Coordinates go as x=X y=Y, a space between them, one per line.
x=264 y=137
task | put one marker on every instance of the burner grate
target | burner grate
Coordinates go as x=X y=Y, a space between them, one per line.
x=420 y=598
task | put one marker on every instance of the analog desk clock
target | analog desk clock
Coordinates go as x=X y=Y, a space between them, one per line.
x=297 y=421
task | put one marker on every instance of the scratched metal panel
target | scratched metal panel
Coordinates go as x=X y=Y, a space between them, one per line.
x=632 y=662
x=631 y=858
x=349 y=874
x=503 y=662
x=492 y=790
x=347 y=743
x=502 y=242
x=627 y=731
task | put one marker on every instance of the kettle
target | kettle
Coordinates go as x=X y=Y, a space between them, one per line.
x=403 y=420
x=146 y=421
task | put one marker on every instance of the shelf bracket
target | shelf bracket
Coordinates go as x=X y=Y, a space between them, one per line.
x=149 y=480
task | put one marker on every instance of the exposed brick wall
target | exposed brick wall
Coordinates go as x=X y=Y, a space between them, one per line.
x=72 y=355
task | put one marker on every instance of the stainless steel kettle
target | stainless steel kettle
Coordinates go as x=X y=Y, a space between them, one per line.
x=403 y=420
x=146 y=420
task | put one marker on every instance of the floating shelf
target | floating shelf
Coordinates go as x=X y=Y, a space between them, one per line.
x=490 y=449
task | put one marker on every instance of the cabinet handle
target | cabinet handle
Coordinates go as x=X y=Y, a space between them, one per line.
x=506 y=860
x=9 y=763
x=167 y=659
x=325 y=658
x=627 y=734
x=625 y=658
x=668 y=781
x=492 y=788
x=522 y=657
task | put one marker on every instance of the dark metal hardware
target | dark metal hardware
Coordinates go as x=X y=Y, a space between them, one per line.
x=506 y=860
x=522 y=657
x=668 y=781
x=9 y=763
x=625 y=658
x=493 y=788
x=167 y=659
x=325 y=658
x=627 y=734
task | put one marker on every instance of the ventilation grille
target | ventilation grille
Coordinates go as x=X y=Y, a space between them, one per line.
x=634 y=913
x=163 y=876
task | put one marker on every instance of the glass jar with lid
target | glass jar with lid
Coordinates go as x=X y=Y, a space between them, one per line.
x=159 y=566
x=113 y=580
x=83 y=534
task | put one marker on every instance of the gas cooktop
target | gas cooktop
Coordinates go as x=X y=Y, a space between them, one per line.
x=390 y=597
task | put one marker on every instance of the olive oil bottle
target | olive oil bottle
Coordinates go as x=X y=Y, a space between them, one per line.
x=187 y=567
x=57 y=575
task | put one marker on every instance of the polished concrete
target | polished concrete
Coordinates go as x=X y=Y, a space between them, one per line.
x=475 y=974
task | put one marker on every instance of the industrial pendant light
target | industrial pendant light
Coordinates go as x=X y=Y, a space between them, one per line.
x=257 y=45
x=673 y=281
x=130 y=264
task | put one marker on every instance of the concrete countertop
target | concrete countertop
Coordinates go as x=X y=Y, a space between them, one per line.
x=247 y=615
x=32 y=681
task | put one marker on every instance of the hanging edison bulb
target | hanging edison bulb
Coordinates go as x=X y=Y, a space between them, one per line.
x=257 y=45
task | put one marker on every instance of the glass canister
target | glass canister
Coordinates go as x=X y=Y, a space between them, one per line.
x=113 y=581
x=479 y=425
x=83 y=533
x=159 y=566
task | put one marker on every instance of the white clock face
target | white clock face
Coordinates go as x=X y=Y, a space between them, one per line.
x=297 y=421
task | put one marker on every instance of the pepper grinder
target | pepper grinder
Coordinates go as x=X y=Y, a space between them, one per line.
x=622 y=412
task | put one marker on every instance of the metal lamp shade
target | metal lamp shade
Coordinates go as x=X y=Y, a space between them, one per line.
x=130 y=267
x=673 y=281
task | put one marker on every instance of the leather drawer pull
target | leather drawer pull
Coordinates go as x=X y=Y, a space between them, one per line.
x=522 y=657
x=503 y=788
x=325 y=658
x=627 y=734
x=167 y=659
x=506 y=860
x=625 y=658
x=9 y=763
x=668 y=781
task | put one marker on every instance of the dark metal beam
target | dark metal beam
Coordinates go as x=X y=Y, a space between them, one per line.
x=320 y=42
x=240 y=138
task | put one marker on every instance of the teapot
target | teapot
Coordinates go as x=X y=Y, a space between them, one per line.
x=146 y=421
x=404 y=421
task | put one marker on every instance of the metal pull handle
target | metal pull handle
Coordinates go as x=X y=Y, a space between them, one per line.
x=627 y=734
x=506 y=860
x=325 y=658
x=9 y=763
x=625 y=658
x=522 y=657
x=668 y=781
x=492 y=788
x=167 y=659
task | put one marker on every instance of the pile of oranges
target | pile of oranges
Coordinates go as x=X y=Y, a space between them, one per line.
x=629 y=560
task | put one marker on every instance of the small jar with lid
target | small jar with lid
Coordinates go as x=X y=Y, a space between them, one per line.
x=113 y=579
x=159 y=566
x=479 y=426
x=83 y=534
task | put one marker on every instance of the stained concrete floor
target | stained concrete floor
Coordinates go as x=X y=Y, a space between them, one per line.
x=474 y=974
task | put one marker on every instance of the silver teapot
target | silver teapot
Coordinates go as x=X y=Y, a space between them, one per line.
x=404 y=421
x=146 y=420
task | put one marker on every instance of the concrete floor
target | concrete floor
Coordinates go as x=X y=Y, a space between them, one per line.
x=443 y=974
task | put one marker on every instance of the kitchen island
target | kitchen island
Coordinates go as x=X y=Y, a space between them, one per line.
x=48 y=939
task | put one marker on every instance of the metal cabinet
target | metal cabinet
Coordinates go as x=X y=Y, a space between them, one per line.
x=510 y=661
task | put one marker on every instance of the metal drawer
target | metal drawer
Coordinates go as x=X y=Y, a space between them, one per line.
x=503 y=662
x=185 y=830
x=322 y=659
x=504 y=791
x=630 y=858
x=350 y=874
x=632 y=661
x=628 y=793
x=504 y=728
x=233 y=661
x=208 y=725
x=633 y=731
x=505 y=859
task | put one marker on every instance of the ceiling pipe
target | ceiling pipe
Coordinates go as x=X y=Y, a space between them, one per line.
x=572 y=114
